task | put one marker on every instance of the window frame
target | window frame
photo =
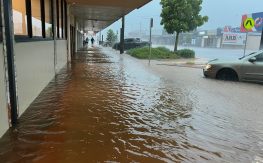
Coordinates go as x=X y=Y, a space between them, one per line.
x=23 y=21
x=1 y=25
x=66 y=19
x=61 y=19
x=29 y=37
x=41 y=17
x=57 y=17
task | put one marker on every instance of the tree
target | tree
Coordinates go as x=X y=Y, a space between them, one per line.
x=181 y=16
x=111 y=37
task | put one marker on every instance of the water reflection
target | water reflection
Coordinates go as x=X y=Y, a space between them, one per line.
x=106 y=108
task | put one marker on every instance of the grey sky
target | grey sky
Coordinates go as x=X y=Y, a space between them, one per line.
x=220 y=12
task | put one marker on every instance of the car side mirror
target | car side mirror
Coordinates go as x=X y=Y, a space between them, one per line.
x=252 y=60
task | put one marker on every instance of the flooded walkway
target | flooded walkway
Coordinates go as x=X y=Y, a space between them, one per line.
x=105 y=107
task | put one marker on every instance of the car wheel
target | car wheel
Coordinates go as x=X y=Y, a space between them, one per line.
x=227 y=74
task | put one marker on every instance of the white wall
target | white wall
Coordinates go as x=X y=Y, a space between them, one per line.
x=35 y=69
x=61 y=54
x=253 y=42
x=3 y=100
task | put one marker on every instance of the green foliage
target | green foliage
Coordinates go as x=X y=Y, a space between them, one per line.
x=157 y=53
x=160 y=53
x=111 y=37
x=186 y=53
x=181 y=16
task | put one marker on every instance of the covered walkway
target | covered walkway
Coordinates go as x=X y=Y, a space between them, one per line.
x=102 y=107
x=39 y=37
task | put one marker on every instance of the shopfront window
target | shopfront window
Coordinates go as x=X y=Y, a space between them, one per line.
x=36 y=18
x=60 y=18
x=48 y=18
x=19 y=17
x=33 y=18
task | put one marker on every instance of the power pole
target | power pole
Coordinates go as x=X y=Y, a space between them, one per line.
x=151 y=25
x=122 y=36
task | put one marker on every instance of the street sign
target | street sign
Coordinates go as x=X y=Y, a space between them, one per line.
x=230 y=38
x=151 y=22
x=249 y=23
x=252 y=22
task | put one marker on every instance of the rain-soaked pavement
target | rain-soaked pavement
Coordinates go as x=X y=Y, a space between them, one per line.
x=105 y=107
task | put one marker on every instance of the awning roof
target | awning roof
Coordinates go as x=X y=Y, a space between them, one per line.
x=95 y=15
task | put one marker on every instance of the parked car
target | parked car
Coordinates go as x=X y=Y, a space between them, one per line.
x=131 y=43
x=105 y=43
x=248 y=68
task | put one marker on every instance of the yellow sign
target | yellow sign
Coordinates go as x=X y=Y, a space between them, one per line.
x=249 y=23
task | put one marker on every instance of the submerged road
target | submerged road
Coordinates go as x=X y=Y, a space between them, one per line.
x=107 y=107
x=214 y=53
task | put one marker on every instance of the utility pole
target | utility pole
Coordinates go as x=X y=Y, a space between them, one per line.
x=245 y=48
x=151 y=25
x=122 y=36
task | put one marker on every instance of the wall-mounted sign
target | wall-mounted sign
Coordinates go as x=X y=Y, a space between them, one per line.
x=234 y=38
x=247 y=25
x=232 y=29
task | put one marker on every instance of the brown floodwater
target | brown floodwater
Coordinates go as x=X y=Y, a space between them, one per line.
x=109 y=108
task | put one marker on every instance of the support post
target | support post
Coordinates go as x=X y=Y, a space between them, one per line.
x=55 y=33
x=245 y=48
x=261 y=41
x=76 y=36
x=9 y=44
x=122 y=36
x=150 y=42
x=68 y=36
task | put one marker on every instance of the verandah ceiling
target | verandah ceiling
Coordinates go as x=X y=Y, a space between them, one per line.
x=96 y=15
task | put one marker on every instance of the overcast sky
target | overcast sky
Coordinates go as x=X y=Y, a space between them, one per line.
x=220 y=13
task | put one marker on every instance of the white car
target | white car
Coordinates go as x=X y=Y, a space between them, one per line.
x=248 y=68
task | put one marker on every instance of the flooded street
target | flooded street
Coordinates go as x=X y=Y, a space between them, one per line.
x=214 y=53
x=105 y=107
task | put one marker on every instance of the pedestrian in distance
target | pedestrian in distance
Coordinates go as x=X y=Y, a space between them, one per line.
x=92 y=41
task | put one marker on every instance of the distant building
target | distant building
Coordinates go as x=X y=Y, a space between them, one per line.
x=234 y=38
x=226 y=37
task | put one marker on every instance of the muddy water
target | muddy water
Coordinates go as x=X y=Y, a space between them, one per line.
x=109 y=108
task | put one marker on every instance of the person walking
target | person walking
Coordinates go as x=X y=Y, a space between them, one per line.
x=92 y=41
x=87 y=41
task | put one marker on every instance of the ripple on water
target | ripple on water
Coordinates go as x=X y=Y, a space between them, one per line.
x=106 y=109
